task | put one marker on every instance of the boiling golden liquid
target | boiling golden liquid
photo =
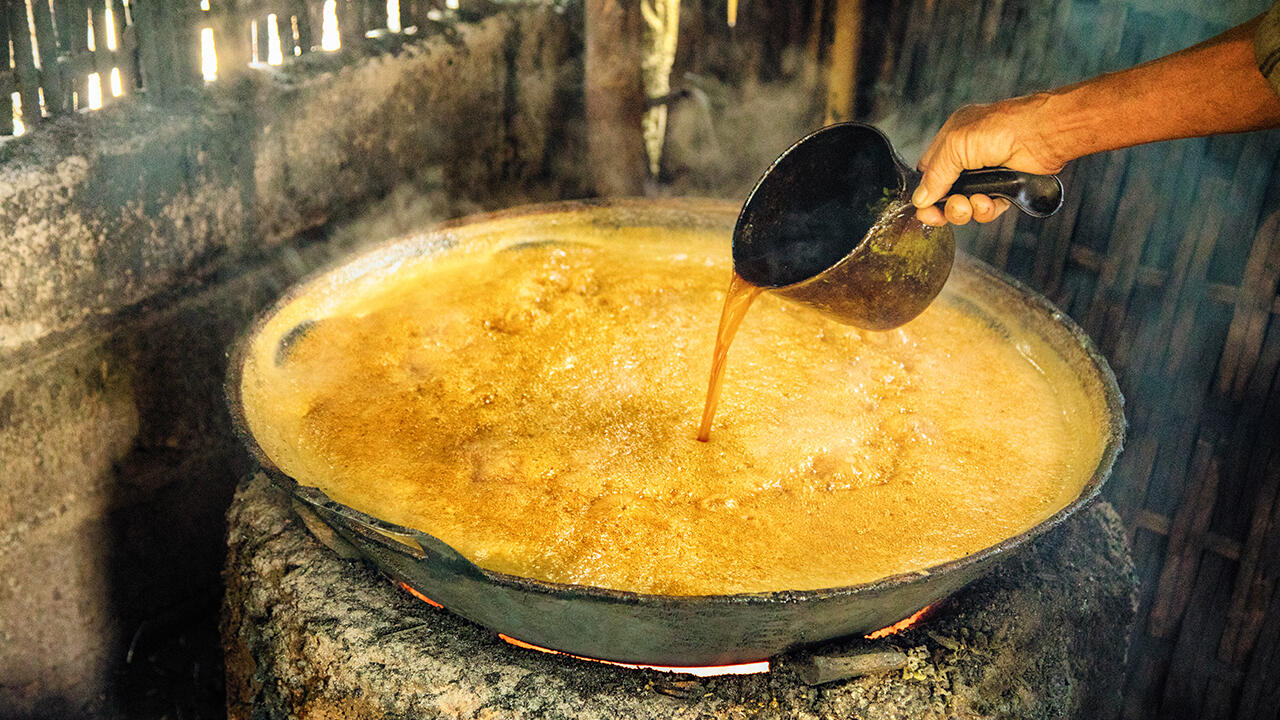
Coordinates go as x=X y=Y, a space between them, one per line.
x=536 y=408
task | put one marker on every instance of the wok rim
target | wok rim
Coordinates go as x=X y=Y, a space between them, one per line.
x=1114 y=403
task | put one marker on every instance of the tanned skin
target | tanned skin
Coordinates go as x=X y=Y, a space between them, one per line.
x=1211 y=88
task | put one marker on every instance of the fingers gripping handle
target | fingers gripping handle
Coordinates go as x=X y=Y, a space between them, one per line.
x=1036 y=195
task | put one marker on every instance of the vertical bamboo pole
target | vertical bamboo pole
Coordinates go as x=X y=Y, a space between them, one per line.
x=185 y=22
x=298 y=8
x=102 y=60
x=230 y=38
x=126 y=48
x=795 y=32
x=350 y=23
x=889 y=55
x=414 y=12
x=662 y=26
x=842 y=79
x=315 y=9
x=154 y=48
x=77 y=53
x=813 y=44
x=24 y=62
x=52 y=77
x=375 y=14
x=615 y=101
x=9 y=84
x=264 y=36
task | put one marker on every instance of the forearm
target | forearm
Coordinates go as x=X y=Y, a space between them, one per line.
x=1214 y=87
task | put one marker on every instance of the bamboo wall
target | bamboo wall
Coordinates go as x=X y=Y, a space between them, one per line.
x=1169 y=256
x=67 y=56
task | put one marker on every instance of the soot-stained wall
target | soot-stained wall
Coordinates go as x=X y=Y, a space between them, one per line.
x=135 y=243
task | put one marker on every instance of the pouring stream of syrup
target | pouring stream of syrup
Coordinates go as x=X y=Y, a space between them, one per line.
x=736 y=301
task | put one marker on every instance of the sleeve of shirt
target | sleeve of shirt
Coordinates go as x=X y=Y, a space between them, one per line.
x=1266 y=46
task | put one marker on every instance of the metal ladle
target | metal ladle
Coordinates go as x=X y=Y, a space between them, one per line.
x=830 y=225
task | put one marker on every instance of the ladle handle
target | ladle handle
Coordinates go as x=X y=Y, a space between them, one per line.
x=1036 y=195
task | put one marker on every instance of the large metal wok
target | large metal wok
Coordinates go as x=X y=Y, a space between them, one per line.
x=643 y=628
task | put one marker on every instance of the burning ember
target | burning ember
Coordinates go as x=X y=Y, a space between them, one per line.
x=751 y=668
x=421 y=597
x=899 y=626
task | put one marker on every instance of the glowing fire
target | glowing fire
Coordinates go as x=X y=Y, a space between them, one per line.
x=421 y=597
x=899 y=626
x=751 y=668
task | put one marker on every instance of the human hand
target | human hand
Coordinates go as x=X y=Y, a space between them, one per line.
x=1009 y=133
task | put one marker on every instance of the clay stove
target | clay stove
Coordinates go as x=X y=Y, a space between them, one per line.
x=309 y=633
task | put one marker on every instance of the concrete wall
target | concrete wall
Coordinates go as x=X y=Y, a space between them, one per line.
x=134 y=245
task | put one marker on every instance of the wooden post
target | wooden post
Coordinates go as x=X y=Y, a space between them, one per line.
x=615 y=101
x=842 y=80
